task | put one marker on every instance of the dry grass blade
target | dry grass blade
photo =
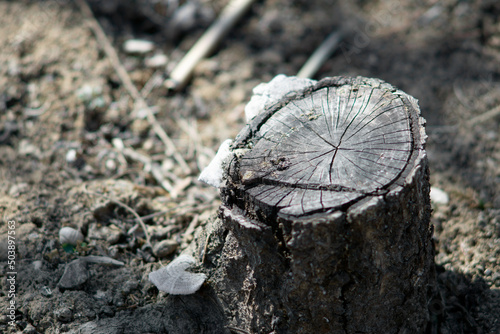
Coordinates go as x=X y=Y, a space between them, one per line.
x=126 y=207
x=485 y=116
x=153 y=167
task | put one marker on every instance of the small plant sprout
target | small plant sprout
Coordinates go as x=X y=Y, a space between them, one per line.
x=175 y=280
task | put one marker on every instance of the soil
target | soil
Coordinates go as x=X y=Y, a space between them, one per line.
x=74 y=151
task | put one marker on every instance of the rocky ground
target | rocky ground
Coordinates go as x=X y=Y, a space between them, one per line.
x=75 y=152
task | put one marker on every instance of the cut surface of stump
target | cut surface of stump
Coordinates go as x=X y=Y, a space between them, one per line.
x=328 y=148
x=326 y=207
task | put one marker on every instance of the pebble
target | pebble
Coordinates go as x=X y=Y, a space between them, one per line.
x=158 y=60
x=89 y=91
x=139 y=46
x=29 y=329
x=431 y=14
x=71 y=156
x=438 y=196
x=165 y=248
x=110 y=164
x=496 y=276
x=75 y=274
x=27 y=148
x=37 y=265
x=63 y=314
x=129 y=286
x=112 y=234
x=18 y=189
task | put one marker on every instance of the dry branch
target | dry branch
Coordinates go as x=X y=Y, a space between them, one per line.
x=322 y=53
x=207 y=43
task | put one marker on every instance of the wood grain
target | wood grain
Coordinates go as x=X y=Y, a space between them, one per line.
x=321 y=151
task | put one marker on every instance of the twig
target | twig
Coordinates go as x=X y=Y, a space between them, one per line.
x=322 y=53
x=190 y=128
x=139 y=101
x=205 y=247
x=207 y=43
x=158 y=175
x=101 y=259
x=188 y=234
x=126 y=207
x=485 y=116
x=154 y=81
x=460 y=94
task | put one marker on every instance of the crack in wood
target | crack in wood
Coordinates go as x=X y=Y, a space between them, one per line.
x=351 y=138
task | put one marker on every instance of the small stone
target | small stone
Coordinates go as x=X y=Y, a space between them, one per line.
x=102 y=295
x=138 y=46
x=110 y=164
x=158 y=60
x=71 y=156
x=165 y=248
x=488 y=272
x=438 y=196
x=63 y=314
x=75 y=274
x=129 y=286
x=89 y=91
x=118 y=143
x=27 y=148
x=37 y=265
x=18 y=189
x=29 y=329
x=114 y=235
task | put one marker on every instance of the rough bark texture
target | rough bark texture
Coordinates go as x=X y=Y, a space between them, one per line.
x=324 y=226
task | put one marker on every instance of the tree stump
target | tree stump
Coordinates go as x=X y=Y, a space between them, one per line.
x=326 y=213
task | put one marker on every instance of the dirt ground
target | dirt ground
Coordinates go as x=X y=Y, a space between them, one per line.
x=74 y=151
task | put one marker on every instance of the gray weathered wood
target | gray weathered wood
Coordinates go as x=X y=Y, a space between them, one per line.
x=324 y=226
x=327 y=147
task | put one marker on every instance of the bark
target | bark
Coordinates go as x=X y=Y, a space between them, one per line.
x=324 y=226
